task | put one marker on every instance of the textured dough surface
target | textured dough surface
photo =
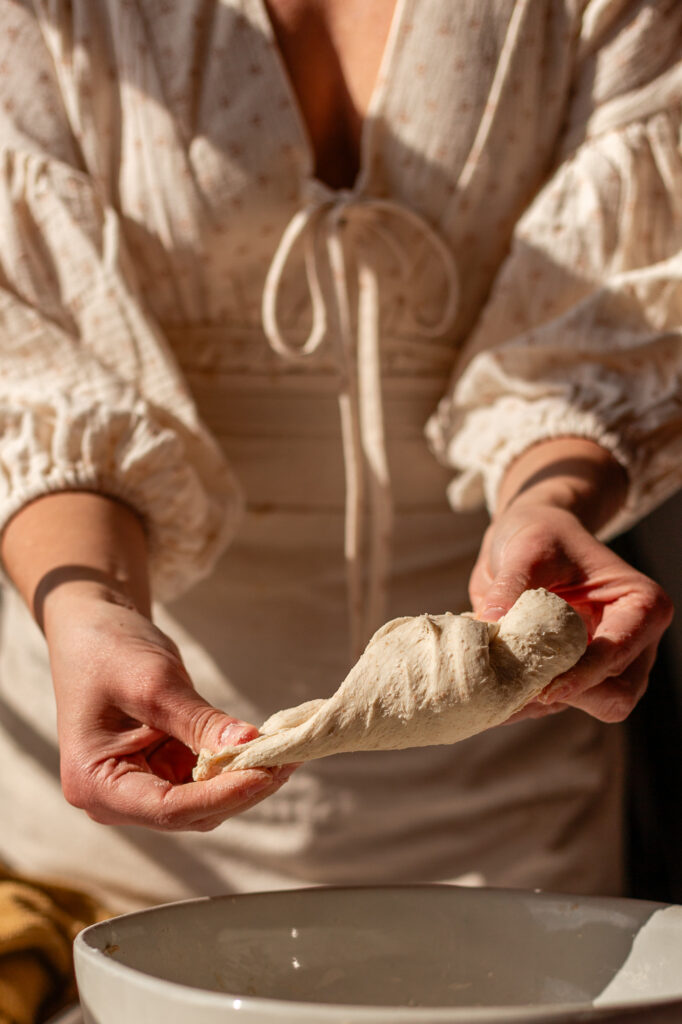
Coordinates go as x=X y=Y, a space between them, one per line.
x=422 y=681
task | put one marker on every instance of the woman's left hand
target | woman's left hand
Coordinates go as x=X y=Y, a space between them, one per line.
x=535 y=544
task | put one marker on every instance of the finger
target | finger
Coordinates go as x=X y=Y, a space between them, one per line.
x=280 y=774
x=257 y=796
x=177 y=709
x=172 y=760
x=535 y=710
x=503 y=592
x=614 y=699
x=133 y=796
x=628 y=626
x=208 y=824
x=285 y=771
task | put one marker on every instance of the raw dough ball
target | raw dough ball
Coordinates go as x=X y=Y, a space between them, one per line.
x=421 y=681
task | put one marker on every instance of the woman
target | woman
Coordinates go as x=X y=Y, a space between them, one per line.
x=245 y=247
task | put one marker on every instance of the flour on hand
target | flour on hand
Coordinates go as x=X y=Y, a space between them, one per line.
x=422 y=681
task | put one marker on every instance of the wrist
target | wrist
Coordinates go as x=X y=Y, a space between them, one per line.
x=573 y=474
x=71 y=547
x=79 y=595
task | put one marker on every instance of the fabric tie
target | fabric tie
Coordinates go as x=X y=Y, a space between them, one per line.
x=319 y=226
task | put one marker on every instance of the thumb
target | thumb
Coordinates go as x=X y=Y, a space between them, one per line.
x=182 y=713
x=503 y=592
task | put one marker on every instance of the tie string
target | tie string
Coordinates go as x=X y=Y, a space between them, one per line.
x=319 y=227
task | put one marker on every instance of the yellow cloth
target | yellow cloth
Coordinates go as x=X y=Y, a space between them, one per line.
x=38 y=922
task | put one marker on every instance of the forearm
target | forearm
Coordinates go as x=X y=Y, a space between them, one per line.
x=76 y=543
x=572 y=473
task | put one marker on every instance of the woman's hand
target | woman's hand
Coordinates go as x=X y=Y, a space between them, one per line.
x=130 y=721
x=539 y=539
x=128 y=717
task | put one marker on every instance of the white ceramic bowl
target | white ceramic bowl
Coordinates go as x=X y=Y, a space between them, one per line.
x=393 y=955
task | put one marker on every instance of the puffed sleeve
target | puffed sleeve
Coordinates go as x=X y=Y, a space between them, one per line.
x=582 y=333
x=90 y=396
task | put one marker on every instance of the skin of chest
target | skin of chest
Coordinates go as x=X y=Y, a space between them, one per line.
x=332 y=50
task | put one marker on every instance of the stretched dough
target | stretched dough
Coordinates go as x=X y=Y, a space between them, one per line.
x=421 y=681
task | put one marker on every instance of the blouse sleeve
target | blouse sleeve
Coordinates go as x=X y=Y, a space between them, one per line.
x=582 y=333
x=90 y=396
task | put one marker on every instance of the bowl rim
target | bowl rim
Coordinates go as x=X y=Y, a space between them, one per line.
x=330 y=1013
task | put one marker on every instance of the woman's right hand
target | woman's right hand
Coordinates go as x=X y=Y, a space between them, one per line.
x=130 y=722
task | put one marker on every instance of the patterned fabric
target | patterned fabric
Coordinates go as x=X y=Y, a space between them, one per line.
x=152 y=156
x=155 y=177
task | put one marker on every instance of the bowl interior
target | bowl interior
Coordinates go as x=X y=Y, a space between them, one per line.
x=426 y=946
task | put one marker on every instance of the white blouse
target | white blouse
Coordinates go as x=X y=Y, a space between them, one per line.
x=517 y=217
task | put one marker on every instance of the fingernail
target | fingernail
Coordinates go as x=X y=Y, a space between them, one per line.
x=554 y=694
x=237 y=733
x=285 y=771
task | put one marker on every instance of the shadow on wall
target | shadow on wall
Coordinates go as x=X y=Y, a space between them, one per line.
x=655 y=727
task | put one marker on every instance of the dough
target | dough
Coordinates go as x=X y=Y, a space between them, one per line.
x=421 y=681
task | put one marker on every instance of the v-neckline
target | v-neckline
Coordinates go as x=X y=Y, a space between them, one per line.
x=373 y=107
